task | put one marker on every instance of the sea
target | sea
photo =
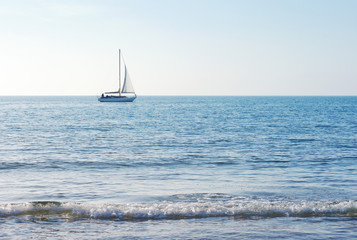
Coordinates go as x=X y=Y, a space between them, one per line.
x=178 y=167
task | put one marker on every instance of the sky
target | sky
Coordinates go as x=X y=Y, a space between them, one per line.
x=179 y=47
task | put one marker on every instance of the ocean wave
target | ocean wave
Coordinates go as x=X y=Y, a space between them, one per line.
x=182 y=209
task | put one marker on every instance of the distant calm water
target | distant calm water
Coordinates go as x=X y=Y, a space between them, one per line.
x=178 y=168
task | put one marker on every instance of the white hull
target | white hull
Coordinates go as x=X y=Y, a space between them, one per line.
x=116 y=99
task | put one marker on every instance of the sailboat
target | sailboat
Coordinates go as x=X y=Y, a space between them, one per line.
x=125 y=92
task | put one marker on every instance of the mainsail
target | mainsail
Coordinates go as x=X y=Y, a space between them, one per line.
x=127 y=86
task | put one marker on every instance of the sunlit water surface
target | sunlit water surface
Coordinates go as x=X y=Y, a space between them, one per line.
x=178 y=167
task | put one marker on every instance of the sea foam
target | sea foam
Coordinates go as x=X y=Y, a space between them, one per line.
x=182 y=210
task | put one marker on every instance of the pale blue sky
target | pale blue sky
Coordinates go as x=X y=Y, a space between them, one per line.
x=179 y=47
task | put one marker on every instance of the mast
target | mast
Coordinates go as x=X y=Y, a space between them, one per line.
x=119 y=75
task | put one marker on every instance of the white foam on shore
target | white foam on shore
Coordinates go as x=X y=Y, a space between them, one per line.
x=182 y=210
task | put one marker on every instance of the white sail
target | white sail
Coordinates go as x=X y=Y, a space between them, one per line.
x=127 y=85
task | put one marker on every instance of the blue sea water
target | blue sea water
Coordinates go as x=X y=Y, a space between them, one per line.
x=178 y=168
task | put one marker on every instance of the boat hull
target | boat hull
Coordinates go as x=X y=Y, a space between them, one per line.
x=116 y=99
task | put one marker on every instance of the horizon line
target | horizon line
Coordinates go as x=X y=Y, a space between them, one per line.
x=189 y=95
